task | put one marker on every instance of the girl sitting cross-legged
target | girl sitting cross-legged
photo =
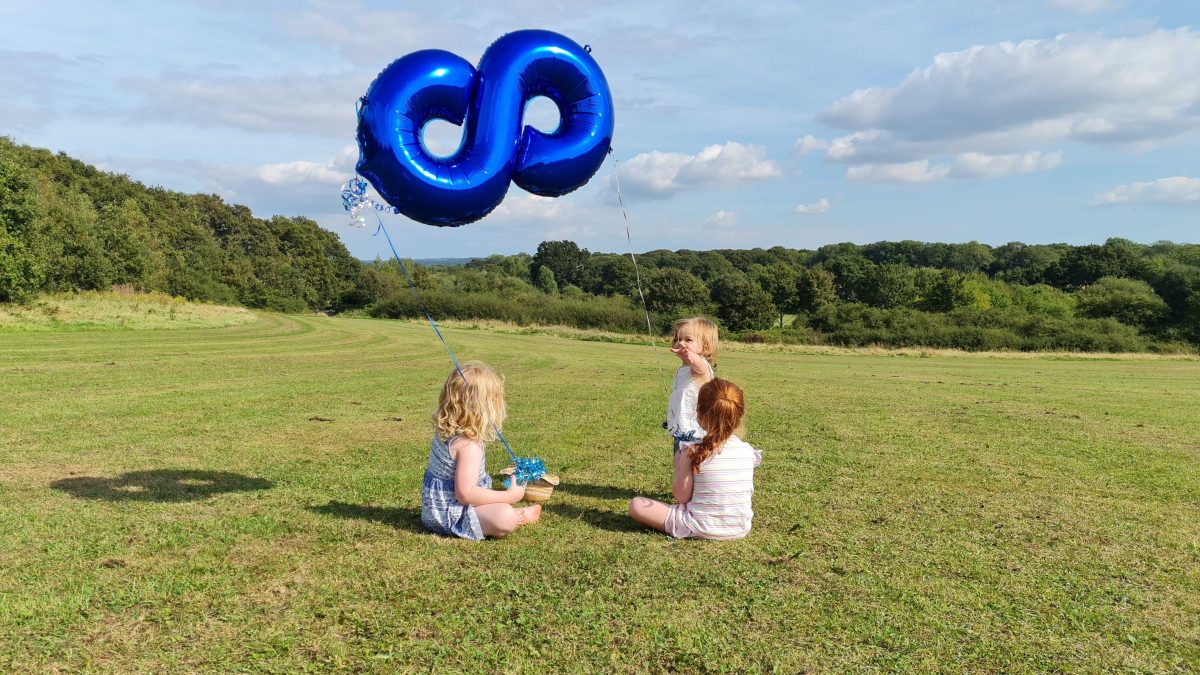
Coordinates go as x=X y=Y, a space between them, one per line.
x=457 y=498
x=714 y=478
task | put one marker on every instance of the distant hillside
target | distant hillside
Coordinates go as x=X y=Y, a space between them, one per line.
x=444 y=262
x=432 y=262
x=65 y=225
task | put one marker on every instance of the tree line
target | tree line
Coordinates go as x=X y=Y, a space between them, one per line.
x=65 y=225
x=1115 y=296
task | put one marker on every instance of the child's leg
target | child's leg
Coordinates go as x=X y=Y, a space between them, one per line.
x=499 y=520
x=649 y=512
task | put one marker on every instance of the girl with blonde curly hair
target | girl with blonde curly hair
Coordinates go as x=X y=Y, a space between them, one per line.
x=694 y=341
x=457 y=498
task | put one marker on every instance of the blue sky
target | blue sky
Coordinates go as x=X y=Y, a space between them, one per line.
x=738 y=124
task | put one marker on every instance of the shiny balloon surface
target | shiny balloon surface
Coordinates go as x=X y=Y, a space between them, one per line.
x=489 y=103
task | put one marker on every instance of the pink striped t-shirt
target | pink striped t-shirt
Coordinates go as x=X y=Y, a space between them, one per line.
x=721 y=492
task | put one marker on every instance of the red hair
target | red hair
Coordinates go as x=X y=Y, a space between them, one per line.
x=720 y=408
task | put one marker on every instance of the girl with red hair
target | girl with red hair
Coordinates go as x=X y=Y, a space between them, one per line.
x=714 y=478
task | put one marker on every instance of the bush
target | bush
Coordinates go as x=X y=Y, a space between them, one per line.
x=1129 y=301
x=583 y=311
x=858 y=325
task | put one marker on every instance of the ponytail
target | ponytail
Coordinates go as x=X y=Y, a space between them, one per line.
x=719 y=409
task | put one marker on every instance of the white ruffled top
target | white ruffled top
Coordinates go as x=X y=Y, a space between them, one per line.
x=681 y=409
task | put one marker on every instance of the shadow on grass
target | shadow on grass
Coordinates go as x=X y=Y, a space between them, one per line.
x=605 y=520
x=160 y=485
x=609 y=492
x=399 y=518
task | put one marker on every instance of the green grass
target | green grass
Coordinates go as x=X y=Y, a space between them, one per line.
x=169 y=503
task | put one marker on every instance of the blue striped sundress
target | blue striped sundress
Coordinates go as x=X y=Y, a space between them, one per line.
x=441 y=512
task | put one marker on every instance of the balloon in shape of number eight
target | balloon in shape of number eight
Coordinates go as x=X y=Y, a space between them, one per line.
x=489 y=103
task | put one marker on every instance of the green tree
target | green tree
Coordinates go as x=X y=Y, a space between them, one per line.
x=852 y=276
x=1191 y=317
x=564 y=258
x=947 y=290
x=20 y=271
x=83 y=228
x=669 y=290
x=69 y=226
x=741 y=303
x=779 y=281
x=711 y=264
x=612 y=274
x=1020 y=263
x=970 y=257
x=1130 y=301
x=545 y=281
x=516 y=266
x=1084 y=265
x=421 y=276
x=815 y=288
x=124 y=232
x=890 y=286
x=1044 y=300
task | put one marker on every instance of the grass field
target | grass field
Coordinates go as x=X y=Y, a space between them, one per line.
x=247 y=498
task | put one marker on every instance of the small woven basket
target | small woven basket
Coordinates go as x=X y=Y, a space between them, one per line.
x=538 y=490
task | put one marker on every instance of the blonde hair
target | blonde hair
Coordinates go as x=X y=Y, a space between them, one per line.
x=720 y=408
x=471 y=403
x=705 y=330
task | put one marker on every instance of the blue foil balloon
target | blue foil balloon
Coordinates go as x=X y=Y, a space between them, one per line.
x=489 y=103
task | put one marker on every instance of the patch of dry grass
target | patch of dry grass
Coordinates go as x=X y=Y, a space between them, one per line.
x=117 y=310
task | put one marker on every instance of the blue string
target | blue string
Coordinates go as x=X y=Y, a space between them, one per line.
x=433 y=324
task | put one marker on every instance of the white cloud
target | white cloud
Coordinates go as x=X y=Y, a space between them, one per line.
x=321 y=105
x=518 y=205
x=299 y=172
x=662 y=174
x=302 y=172
x=1083 y=6
x=905 y=172
x=822 y=205
x=876 y=146
x=302 y=186
x=979 y=165
x=312 y=187
x=965 y=165
x=809 y=143
x=1001 y=99
x=722 y=219
x=1175 y=190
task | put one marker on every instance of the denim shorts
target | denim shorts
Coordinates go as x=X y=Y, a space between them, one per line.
x=680 y=439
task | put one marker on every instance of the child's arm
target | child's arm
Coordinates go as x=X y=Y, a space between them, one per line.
x=681 y=487
x=701 y=369
x=468 y=456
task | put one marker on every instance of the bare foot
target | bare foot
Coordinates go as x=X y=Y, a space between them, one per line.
x=531 y=514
